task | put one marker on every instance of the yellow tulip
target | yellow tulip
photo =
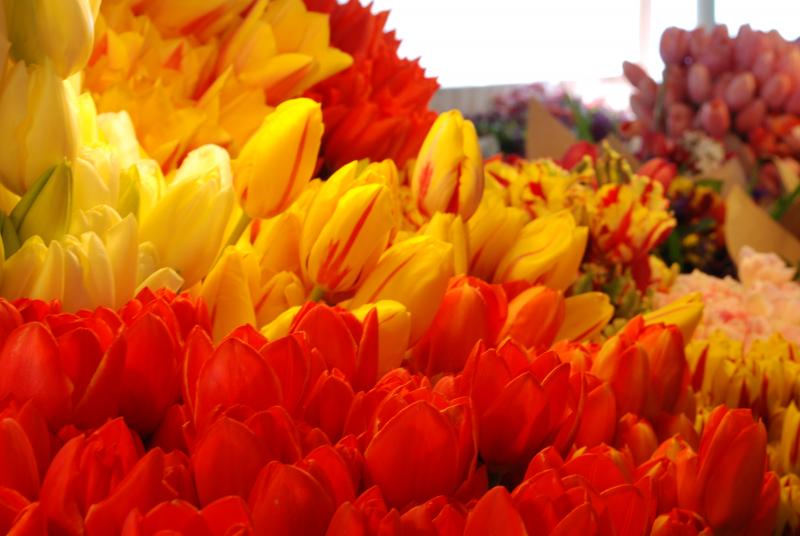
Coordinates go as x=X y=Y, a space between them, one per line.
x=789 y=506
x=280 y=326
x=448 y=174
x=60 y=32
x=96 y=266
x=548 y=251
x=685 y=313
x=585 y=316
x=413 y=272
x=277 y=162
x=186 y=225
x=45 y=209
x=394 y=330
x=788 y=454
x=351 y=239
x=229 y=289
x=450 y=228
x=282 y=291
x=38 y=124
x=492 y=230
x=277 y=244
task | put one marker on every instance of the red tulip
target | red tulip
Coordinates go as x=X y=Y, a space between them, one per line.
x=328 y=404
x=226 y=460
x=413 y=472
x=727 y=485
x=237 y=377
x=84 y=472
x=29 y=522
x=637 y=437
x=471 y=311
x=439 y=516
x=226 y=516
x=495 y=513
x=150 y=379
x=577 y=151
x=669 y=370
x=518 y=403
x=11 y=504
x=145 y=486
x=595 y=411
x=287 y=500
x=30 y=419
x=18 y=467
x=680 y=523
x=660 y=170
x=624 y=365
x=368 y=515
x=342 y=341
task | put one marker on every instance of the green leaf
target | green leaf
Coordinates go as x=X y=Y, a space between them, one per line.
x=783 y=203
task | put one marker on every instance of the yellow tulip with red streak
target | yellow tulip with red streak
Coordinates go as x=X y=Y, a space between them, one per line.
x=414 y=272
x=448 y=174
x=277 y=162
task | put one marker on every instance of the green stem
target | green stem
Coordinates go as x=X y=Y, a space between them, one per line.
x=317 y=294
x=237 y=232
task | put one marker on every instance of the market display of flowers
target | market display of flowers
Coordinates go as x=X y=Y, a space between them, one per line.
x=251 y=284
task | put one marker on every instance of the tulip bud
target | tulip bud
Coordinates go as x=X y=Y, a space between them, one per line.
x=585 y=316
x=229 y=289
x=492 y=230
x=684 y=313
x=448 y=175
x=534 y=318
x=352 y=238
x=278 y=160
x=282 y=291
x=413 y=272
x=38 y=125
x=45 y=209
x=548 y=251
x=450 y=228
x=394 y=330
x=698 y=82
x=187 y=224
x=715 y=118
x=60 y=32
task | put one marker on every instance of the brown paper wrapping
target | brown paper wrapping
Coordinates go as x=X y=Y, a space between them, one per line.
x=747 y=224
x=546 y=137
x=731 y=174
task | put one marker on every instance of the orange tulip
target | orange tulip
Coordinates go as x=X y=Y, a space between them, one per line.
x=680 y=523
x=626 y=368
x=534 y=318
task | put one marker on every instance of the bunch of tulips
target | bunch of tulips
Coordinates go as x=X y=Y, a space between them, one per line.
x=225 y=312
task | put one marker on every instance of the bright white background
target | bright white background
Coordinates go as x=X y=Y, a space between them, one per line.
x=493 y=42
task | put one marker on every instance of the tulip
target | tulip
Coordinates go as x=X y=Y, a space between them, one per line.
x=659 y=170
x=548 y=251
x=789 y=509
x=732 y=449
x=669 y=370
x=448 y=174
x=596 y=421
x=680 y=522
x=179 y=516
x=230 y=290
x=45 y=209
x=471 y=311
x=627 y=369
x=394 y=331
x=277 y=244
x=492 y=230
x=450 y=228
x=186 y=225
x=85 y=471
x=518 y=404
x=18 y=468
x=685 y=313
x=534 y=318
x=495 y=513
x=278 y=160
x=414 y=272
x=637 y=436
x=38 y=125
x=61 y=33
x=351 y=239
x=585 y=316
x=286 y=497
x=283 y=291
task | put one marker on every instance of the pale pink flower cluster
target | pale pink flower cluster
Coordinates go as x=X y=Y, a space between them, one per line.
x=763 y=301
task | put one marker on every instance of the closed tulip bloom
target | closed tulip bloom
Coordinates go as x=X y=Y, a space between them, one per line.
x=46 y=209
x=585 y=316
x=187 y=224
x=58 y=32
x=685 y=313
x=282 y=291
x=680 y=523
x=448 y=174
x=278 y=160
x=626 y=368
x=230 y=290
x=394 y=331
x=534 y=318
x=352 y=239
x=414 y=272
x=548 y=251
x=38 y=124
x=492 y=231
x=450 y=228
